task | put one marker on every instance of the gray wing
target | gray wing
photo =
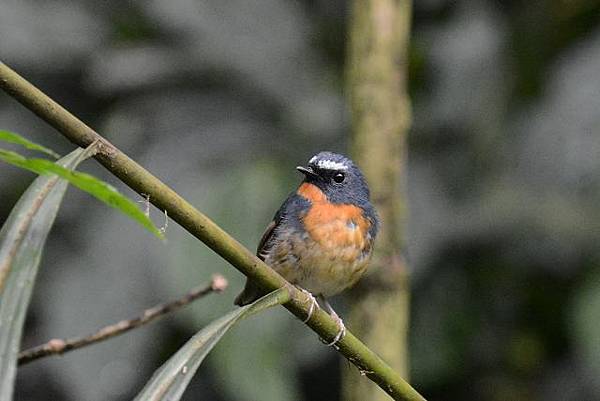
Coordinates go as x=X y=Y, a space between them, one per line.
x=287 y=216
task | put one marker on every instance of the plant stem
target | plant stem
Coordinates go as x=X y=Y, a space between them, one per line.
x=58 y=346
x=200 y=226
x=377 y=69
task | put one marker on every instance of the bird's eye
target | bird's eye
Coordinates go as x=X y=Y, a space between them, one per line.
x=339 y=177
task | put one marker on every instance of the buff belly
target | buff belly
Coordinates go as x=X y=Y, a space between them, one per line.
x=326 y=266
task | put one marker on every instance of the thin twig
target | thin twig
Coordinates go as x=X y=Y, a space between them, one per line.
x=58 y=346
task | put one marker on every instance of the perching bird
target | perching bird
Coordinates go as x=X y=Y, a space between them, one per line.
x=321 y=238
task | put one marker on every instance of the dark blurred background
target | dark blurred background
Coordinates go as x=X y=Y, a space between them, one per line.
x=222 y=99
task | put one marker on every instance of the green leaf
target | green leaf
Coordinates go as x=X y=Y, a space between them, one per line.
x=88 y=183
x=11 y=137
x=22 y=239
x=170 y=381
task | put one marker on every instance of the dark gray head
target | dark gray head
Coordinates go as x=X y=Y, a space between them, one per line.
x=338 y=177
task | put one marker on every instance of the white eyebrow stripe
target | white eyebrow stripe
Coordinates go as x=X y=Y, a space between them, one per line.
x=331 y=165
x=313 y=159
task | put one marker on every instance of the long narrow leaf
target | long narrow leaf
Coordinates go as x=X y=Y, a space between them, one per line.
x=11 y=137
x=88 y=183
x=22 y=239
x=170 y=381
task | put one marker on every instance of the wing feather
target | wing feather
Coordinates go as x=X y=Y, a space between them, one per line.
x=288 y=217
x=265 y=244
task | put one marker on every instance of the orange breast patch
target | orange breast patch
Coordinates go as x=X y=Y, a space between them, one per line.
x=334 y=225
x=311 y=192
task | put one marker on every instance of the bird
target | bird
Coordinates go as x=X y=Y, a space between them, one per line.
x=321 y=238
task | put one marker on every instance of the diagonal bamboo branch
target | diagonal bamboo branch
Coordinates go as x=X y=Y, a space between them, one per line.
x=200 y=226
x=58 y=346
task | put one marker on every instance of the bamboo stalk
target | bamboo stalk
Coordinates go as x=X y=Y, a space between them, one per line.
x=377 y=69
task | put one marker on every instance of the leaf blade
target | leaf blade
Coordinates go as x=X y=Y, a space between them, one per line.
x=170 y=381
x=17 y=139
x=86 y=182
x=22 y=238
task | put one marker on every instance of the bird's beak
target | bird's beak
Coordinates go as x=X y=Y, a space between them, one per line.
x=307 y=171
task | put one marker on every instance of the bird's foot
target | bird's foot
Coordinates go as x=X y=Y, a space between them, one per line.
x=342 y=330
x=313 y=304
